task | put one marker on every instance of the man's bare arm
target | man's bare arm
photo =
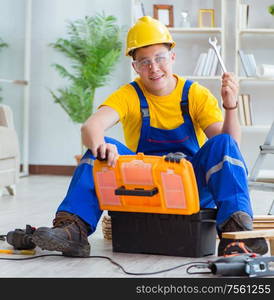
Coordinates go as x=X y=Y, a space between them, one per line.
x=93 y=132
x=231 y=123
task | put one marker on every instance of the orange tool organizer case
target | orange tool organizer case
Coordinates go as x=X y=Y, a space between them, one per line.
x=145 y=183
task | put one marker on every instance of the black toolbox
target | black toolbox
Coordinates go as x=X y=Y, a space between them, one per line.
x=166 y=234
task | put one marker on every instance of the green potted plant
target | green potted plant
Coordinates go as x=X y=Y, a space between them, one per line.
x=271 y=9
x=93 y=45
x=2 y=45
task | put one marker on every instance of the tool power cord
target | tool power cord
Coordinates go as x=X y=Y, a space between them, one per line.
x=199 y=265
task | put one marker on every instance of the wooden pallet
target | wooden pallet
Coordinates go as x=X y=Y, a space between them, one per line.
x=106 y=227
x=268 y=218
x=263 y=222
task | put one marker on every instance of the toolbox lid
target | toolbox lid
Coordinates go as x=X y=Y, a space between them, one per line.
x=146 y=183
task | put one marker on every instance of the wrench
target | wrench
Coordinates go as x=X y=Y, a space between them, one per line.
x=213 y=43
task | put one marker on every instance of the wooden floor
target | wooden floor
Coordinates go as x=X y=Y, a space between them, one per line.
x=35 y=204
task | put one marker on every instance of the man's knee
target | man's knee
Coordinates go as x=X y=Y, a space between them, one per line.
x=222 y=138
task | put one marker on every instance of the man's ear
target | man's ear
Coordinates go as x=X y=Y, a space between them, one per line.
x=172 y=56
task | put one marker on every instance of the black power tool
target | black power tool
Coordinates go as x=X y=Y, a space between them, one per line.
x=239 y=260
x=247 y=264
x=21 y=239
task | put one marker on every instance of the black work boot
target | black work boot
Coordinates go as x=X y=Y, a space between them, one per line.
x=241 y=221
x=68 y=235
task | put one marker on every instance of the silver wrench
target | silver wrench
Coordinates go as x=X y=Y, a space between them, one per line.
x=213 y=43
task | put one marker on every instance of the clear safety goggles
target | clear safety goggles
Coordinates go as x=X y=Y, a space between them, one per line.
x=160 y=60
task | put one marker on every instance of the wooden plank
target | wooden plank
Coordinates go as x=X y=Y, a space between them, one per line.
x=263 y=226
x=263 y=222
x=267 y=221
x=268 y=180
x=263 y=217
x=271 y=244
x=248 y=234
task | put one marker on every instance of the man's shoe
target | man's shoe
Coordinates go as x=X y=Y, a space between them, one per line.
x=241 y=221
x=68 y=235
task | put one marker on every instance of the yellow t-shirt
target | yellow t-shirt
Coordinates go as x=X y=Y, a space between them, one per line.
x=165 y=111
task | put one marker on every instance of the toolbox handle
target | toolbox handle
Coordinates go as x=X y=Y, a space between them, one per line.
x=136 y=192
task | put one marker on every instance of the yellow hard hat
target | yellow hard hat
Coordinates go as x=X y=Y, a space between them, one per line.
x=147 y=31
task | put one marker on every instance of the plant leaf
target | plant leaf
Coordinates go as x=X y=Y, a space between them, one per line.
x=93 y=46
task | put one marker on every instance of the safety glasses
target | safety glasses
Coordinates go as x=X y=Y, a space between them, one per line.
x=160 y=60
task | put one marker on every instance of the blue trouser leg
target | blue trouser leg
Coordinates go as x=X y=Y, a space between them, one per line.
x=81 y=198
x=221 y=176
x=220 y=173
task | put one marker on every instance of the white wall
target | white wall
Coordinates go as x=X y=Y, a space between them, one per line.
x=54 y=139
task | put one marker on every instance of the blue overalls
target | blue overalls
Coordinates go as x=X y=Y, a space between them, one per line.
x=220 y=170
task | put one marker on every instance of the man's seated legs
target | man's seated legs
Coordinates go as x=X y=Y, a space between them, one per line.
x=220 y=171
x=78 y=214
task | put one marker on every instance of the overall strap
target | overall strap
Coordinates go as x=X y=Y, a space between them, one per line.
x=185 y=109
x=144 y=112
x=142 y=98
x=184 y=101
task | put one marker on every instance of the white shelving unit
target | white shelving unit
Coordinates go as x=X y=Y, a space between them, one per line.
x=257 y=30
x=250 y=34
x=256 y=38
x=196 y=30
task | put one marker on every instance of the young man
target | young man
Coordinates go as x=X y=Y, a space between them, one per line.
x=160 y=113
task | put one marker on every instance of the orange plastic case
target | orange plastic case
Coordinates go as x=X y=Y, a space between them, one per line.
x=144 y=183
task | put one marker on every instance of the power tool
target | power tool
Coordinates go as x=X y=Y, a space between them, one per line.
x=21 y=239
x=239 y=260
x=243 y=265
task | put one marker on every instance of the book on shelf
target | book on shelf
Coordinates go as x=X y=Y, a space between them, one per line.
x=243 y=15
x=245 y=112
x=200 y=64
x=214 y=66
x=199 y=60
x=247 y=109
x=207 y=63
x=248 y=63
x=241 y=113
x=252 y=64
x=244 y=62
